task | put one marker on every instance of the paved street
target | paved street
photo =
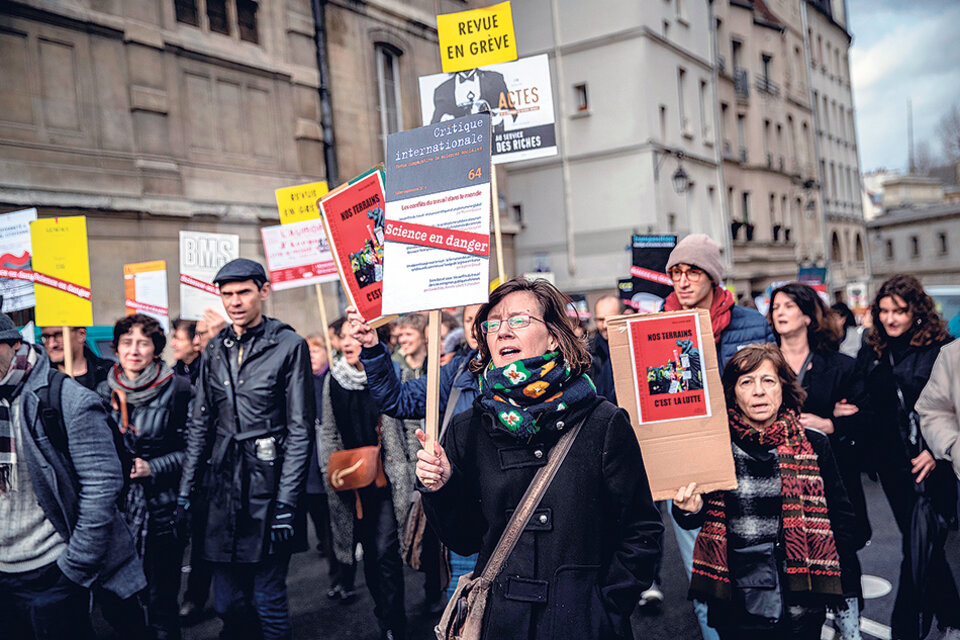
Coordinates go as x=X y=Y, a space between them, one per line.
x=315 y=617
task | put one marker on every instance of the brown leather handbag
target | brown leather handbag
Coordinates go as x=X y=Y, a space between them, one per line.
x=463 y=617
x=353 y=469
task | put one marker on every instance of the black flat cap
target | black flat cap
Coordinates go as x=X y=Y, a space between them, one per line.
x=239 y=270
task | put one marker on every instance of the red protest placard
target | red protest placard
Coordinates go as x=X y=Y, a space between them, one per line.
x=668 y=369
x=353 y=219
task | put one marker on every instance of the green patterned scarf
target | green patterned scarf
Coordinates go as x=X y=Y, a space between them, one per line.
x=524 y=390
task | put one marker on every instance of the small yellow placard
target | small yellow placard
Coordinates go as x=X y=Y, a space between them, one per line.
x=477 y=38
x=61 y=267
x=299 y=203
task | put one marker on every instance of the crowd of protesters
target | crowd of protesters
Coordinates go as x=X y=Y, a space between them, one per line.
x=109 y=475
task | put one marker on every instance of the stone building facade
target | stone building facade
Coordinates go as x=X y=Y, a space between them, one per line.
x=769 y=156
x=149 y=117
x=828 y=45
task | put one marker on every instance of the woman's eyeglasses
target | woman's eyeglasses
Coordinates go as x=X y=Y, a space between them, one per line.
x=518 y=321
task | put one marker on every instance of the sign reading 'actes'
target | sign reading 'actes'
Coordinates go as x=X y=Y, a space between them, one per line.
x=472 y=39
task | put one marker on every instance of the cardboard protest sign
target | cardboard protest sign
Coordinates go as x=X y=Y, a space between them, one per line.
x=16 y=274
x=438 y=216
x=353 y=219
x=667 y=378
x=61 y=268
x=299 y=203
x=651 y=284
x=201 y=256
x=298 y=254
x=518 y=95
x=471 y=39
x=145 y=290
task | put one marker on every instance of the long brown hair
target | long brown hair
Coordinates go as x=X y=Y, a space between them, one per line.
x=928 y=327
x=749 y=359
x=553 y=306
x=822 y=335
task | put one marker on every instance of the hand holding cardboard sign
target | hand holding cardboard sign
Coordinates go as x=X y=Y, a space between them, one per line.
x=360 y=330
x=433 y=469
x=688 y=500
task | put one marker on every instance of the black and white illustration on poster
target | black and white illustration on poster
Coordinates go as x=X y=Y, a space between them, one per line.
x=518 y=96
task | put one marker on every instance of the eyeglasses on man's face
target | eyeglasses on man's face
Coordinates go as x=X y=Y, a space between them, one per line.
x=693 y=274
x=518 y=321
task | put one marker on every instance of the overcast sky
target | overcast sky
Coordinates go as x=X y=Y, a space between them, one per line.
x=902 y=49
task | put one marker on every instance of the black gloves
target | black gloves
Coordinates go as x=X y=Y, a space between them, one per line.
x=281 y=529
x=181 y=522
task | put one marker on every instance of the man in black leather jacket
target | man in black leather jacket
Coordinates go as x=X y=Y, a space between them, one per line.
x=248 y=445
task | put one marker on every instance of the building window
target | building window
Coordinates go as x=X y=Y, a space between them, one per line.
x=681 y=91
x=914 y=247
x=247 y=20
x=942 y=245
x=388 y=88
x=663 y=124
x=186 y=11
x=704 y=113
x=580 y=95
x=741 y=137
x=217 y=16
x=859 y=249
x=518 y=214
x=746 y=206
x=889 y=250
x=836 y=254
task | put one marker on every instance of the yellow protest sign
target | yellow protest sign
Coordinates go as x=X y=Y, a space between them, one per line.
x=61 y=268
x=477 y=38
x=299 y=203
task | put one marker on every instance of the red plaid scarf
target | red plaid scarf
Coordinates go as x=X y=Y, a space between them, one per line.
x=812 y=562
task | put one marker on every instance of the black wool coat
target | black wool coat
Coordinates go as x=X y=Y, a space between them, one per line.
x=157 y=436
x=590 y=547
x=234 y=491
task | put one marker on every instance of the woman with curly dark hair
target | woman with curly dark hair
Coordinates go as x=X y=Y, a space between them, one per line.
x=895 y=363
x=808 y=340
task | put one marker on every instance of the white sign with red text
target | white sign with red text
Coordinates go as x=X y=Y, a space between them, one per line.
x=298 y=254
x=201 y=256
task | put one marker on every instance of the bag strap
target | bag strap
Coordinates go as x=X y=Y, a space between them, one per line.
x=51 y=410
x=804 y=367
x=452 y=400
x=914 y=435
x=528 y=504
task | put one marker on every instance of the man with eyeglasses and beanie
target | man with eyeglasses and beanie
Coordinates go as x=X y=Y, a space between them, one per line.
x=88 y=369
x=253 y=420
x=695 y=268
x=61 y=533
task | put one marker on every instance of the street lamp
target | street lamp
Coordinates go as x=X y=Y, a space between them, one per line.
x=681 y=181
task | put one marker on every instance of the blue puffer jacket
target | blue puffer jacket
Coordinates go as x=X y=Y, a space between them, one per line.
x=408 y=400
x=747 y=326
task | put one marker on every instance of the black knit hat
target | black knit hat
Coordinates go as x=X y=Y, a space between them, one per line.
x=8 y=330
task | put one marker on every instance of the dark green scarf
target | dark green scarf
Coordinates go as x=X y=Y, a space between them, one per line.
x=524 y=390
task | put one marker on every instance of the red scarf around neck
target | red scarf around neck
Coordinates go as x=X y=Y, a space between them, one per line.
x=720 y=309
x=812 y=563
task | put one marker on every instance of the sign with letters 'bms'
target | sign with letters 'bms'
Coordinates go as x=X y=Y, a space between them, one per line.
x=437 y=230
x=201 y=256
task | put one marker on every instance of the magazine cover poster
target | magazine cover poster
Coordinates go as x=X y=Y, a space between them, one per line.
x=668 y=370
x=355 y=218
x=518 y=96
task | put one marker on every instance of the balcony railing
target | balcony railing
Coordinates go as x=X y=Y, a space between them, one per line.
x=766 y=85
x=721 y=64
x=741 y=83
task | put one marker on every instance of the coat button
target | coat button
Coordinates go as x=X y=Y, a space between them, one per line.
x=538 y=454
x=543 y=518
x=560 y=425
x=226 y=383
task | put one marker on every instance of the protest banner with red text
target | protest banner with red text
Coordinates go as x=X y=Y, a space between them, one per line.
x=16 y=272
x=667 y=377
x=353 y=218
x=145 y=290
x=437 y=251
x=201 y=256
x=298 y=254
x=61 y=272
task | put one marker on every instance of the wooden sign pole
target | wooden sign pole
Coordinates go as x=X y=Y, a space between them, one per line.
x=67 y=351
x=323 y=321
x=432 y=424
x=495 y=197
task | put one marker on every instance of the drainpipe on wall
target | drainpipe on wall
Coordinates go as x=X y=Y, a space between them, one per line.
x=326 y=111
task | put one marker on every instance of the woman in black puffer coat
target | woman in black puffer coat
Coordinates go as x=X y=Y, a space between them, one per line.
x=150 y=406
x=896 y=360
